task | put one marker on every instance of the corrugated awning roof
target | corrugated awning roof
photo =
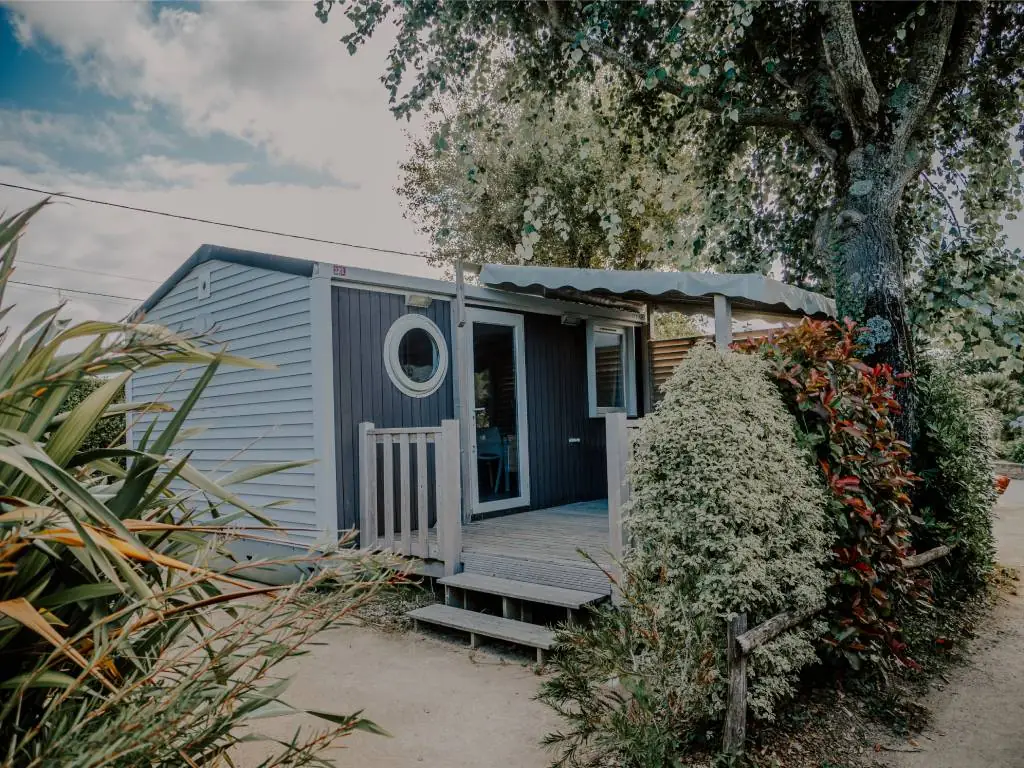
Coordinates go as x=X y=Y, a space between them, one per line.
x=749 y=291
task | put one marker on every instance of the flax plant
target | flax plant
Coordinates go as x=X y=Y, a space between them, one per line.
x=118 y=646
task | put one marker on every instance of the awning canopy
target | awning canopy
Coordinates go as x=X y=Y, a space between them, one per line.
x=753 y=292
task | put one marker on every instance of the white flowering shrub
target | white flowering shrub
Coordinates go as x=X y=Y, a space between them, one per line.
x=727 y=516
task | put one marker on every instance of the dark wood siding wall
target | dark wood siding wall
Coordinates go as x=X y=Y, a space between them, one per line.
x=364 y=392
x=557 y=410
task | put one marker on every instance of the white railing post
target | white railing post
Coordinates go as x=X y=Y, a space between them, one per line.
x=449 y=512
x=368 y=486
x=422 y=508
x=618 y=451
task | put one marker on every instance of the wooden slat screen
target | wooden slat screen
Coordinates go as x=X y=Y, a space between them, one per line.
x=666 y=354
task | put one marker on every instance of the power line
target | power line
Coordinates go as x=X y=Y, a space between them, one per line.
x=211 y=221
x=75 y=290
x=86 y=271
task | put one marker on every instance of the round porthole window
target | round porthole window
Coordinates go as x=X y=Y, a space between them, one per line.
x=415 y=355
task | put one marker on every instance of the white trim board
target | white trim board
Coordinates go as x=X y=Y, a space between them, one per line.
x=325 y=470
x=518 y=325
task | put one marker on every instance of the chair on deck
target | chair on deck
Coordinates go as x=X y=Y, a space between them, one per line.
x=491 y=449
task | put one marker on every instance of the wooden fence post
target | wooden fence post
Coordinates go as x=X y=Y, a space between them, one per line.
x=617 y=451
x=368 y=491
x=734 y=736
x=449 y=513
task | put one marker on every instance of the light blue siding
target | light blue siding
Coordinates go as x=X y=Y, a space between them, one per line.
x=247 y=416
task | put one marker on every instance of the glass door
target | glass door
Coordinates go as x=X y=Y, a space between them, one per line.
x=500 y=460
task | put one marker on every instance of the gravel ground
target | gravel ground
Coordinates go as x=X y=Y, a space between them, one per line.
x=443 y=704
x=446 y=705
x=978 y=718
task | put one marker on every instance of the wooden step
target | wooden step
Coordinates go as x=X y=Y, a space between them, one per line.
x=417 y=567
x=578 y=575
x=482 y=624
x=522 y=590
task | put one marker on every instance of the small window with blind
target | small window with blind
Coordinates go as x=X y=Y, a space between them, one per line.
x=610 y=370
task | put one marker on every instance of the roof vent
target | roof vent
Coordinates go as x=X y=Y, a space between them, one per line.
x=203 y=284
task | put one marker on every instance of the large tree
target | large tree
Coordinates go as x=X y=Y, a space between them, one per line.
x=832 y=137
x=549 y=181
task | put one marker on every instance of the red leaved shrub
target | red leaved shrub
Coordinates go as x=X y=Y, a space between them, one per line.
x=846 y=407
x=1002 y=483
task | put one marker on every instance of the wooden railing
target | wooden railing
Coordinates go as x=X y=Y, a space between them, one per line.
x=410 y=497
x=741 y=642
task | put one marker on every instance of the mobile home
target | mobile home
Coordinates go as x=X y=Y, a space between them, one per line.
x=465 y=424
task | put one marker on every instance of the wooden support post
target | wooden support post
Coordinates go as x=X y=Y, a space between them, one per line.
x=617 y=450
x=646 y=363
x=368 y=487
x=465 y=393
x=734 y=736
x=723 y=321
x=540 y=656
x=449 y=510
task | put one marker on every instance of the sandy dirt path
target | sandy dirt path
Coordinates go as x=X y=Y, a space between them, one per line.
x=447 y=706
x=444 y=705
x=979 y=716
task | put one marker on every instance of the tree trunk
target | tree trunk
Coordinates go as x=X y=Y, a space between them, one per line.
x=870 y=282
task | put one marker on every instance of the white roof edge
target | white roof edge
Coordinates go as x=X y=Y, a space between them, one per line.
x=751 y=290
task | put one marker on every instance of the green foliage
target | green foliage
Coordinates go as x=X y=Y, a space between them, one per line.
x=845 y=410
x=832 y=140
x=1004 y=395
x=674 y=325
x=109 y=432
x=956 y=496
x=726 y=517
x=1016 y=452
x=563 y=186
x=117 y=646
x=970 y=302
x=612 y=708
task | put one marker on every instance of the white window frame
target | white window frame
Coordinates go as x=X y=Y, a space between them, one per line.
x=393 y=366
x=628 y=368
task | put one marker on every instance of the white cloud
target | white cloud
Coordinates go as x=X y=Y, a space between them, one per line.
x=267 y=74
x=19 y=153
x=108 y=137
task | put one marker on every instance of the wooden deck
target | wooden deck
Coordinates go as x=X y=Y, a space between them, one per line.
x=549 y=534
x=542 y=546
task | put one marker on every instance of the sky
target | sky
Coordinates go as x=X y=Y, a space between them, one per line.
x=250 y=113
